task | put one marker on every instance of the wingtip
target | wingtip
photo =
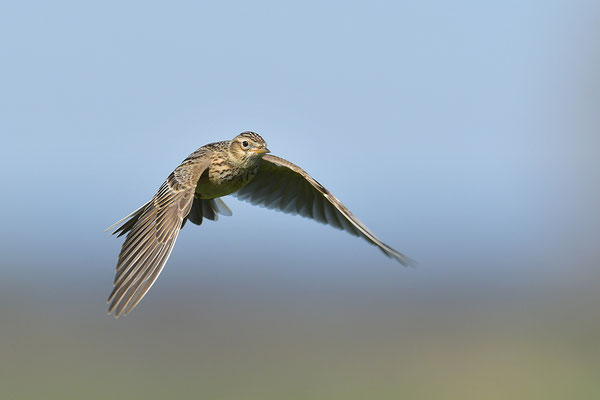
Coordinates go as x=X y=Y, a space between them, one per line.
x=110 y=311
x=401 y=258
x=115 y=313
x=408 y=262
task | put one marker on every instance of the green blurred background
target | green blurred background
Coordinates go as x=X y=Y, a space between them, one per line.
x=464 y=134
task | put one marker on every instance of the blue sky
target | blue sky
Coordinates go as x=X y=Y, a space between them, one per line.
x=463 y=134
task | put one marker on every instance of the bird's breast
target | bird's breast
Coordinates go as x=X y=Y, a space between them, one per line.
x=223 y=179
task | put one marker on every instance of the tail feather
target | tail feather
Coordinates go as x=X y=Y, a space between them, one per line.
x=220 y=207
x=207 y=208
x=208 y=211
x=201 y=208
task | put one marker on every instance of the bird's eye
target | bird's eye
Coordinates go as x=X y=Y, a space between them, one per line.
x=245 y=143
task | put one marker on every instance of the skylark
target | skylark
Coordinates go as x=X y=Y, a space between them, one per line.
x=193 y=191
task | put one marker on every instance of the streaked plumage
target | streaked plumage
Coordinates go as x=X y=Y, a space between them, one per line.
x=192 y=192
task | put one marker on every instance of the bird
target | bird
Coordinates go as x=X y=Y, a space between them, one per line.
x=242 y=167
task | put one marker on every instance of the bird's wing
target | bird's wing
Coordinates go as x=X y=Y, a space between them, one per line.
x=282 y=185
x=152 y=236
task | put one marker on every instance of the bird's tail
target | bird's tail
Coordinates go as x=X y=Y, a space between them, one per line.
x=207 y=208
x=201 y=208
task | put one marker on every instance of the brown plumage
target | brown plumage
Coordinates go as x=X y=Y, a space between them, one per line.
x=192 y=192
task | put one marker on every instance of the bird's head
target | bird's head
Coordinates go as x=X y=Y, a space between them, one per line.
x=248 y=147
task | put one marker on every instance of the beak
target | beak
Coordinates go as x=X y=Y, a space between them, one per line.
x=261 y=151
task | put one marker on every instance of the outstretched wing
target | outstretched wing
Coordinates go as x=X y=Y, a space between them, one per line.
x=282 y=185
x=151 y=238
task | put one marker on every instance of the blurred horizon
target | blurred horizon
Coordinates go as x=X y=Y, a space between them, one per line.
x=464 y=135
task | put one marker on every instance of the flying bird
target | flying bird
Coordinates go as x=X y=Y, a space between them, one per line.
x=193 y=191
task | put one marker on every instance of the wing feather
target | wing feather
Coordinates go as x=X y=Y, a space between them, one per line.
x=282 y=185
x=153 y=230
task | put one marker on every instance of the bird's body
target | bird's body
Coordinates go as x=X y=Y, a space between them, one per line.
x=225 y=172
x=192 y=192
x=224 y=177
